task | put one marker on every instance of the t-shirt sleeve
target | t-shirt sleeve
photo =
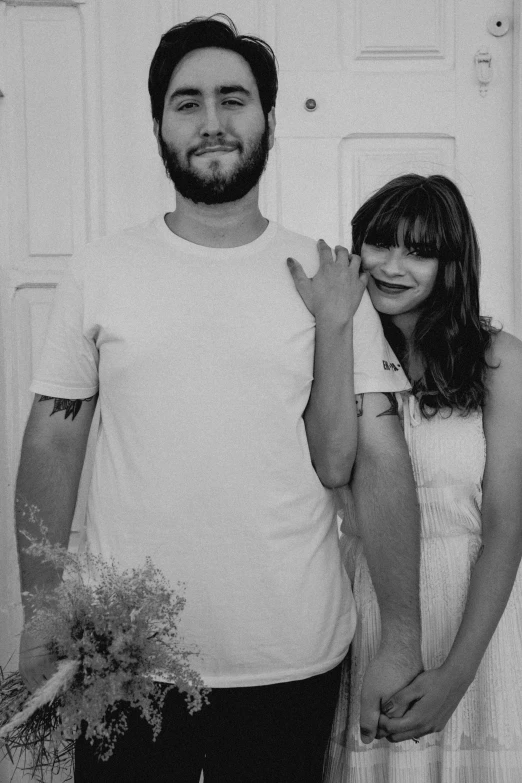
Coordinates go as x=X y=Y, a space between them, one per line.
x=68 y=366
x=376 y=368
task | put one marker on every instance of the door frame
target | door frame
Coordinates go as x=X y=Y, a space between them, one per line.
x=517 y=166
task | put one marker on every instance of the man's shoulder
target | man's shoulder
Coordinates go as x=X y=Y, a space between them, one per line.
x=125 y=236
x=288 y=236
x=298 y=246
x=120 y=244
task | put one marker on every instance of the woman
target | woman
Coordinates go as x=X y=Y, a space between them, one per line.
x=463 y=425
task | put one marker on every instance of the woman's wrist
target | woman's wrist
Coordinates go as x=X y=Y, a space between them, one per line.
x=328 y=320
x=462 y=673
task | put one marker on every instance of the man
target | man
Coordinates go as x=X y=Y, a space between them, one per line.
x=191 y=333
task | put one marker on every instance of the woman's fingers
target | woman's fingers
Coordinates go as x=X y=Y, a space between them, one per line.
x=336 y=289
x=342 y=255
x=355 y=261
x=339 y=254
x=326 y=255
x=301 y=282
x=296 y=270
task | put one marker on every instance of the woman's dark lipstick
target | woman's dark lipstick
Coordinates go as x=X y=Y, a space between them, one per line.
x=390 y=288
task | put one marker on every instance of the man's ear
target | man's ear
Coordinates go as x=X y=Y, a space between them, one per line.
x=271 y=119
x=156 y=129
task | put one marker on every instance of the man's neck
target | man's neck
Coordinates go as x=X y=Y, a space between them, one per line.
x=218 y=225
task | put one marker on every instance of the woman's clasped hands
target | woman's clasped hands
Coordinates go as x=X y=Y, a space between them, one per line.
x=422 y=707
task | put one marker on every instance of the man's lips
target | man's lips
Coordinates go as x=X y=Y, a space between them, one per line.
x=389 y=287
x=215 y=148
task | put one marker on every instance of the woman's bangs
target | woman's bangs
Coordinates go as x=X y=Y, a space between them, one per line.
x=412 y=221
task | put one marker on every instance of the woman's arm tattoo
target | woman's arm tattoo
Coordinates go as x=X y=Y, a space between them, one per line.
x=393 y=410
x=71 y=407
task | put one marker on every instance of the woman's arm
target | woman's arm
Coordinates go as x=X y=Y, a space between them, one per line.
x=439 y=691
x=387 y=515
x=332 y=296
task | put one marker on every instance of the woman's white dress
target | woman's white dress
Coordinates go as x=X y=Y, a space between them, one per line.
x=482 y=741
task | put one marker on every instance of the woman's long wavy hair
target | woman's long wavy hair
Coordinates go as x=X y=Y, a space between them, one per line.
x=450 y=334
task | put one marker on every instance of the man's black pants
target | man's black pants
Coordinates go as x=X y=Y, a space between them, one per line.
x=266 y=734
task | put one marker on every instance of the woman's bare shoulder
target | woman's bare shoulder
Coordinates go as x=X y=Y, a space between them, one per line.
x=504 y=378
x=505 y=347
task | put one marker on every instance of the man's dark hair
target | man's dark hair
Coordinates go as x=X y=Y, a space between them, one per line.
x=203 y=32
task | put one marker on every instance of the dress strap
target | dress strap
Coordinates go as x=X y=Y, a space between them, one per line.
x=409 y=409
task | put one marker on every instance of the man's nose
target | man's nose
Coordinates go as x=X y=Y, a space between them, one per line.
x=212 y=124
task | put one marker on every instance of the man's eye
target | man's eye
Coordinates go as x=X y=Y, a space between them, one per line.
x=187 y=105
x=232 y=102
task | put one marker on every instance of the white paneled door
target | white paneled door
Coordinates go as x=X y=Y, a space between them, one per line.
x=368 y=89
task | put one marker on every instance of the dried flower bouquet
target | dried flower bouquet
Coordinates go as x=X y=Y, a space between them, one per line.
x=114 y=634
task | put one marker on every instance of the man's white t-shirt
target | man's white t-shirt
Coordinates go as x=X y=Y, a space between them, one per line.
x=203 y=360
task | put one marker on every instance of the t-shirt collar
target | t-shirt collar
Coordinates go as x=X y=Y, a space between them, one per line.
x=191 y=248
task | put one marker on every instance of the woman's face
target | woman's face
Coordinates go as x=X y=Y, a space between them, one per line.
x=400 y=280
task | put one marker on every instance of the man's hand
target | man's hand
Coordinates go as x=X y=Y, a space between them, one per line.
x=337 y=288
x=391 y=669
x=422 y=707
x=36 y=663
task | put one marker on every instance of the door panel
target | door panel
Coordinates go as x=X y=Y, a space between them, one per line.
x=401 y=32
x=369 y=161
x=46 y=136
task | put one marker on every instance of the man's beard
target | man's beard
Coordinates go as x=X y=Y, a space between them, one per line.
x=217 y=187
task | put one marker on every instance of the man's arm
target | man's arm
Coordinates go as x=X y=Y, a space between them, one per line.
x=53 y=452
x=388 y=518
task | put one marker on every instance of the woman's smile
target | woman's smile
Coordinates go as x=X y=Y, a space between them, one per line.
x=401 y=280
x=389 y=288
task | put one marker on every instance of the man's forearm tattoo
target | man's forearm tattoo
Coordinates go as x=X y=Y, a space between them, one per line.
x=71 y=407
x=359 y=402
x=393 y=410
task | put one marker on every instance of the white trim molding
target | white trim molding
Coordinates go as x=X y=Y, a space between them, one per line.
x=517 y=167
x=40 y=3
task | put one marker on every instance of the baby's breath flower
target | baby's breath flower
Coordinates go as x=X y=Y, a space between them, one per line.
x=119 y=629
